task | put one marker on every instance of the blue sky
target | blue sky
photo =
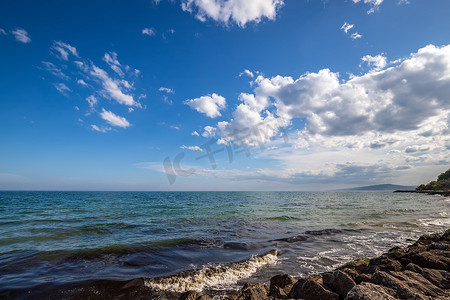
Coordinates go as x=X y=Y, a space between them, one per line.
x=287 y=95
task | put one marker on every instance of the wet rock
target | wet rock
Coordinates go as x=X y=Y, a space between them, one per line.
x=250 y=291
x=277 y=292
x=350 y=272
x=284 y=281
x=328 y=279
x=369 y=291
x=191 y=295
x=313 y=290
x=342 y=283
x=297 y=289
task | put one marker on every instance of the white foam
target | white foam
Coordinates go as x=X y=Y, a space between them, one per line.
x=212 y=277
x=435 y=222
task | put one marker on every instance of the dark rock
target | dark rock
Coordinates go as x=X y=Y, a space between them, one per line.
x=285 y=282
x=191 y=295
x=369 y=291
x=250 y=291
x=363 y=278
x=342 y=283
x=384 y=263
x=350 y=272
x=439 y=246
x=439 y=278
x=432 y=261
x=204 y=297
x=328 y=279
x=414 y=268
x=297 y=289
x=313 y=290
x=277 y=292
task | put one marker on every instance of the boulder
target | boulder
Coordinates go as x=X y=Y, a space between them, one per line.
x=284 y=281
x=369 y=291
x=313 y=290
x=342 y=283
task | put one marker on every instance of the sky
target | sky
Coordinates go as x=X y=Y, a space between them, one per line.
x=223 y=94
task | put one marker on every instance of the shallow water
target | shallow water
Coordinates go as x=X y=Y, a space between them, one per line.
x=66 y=237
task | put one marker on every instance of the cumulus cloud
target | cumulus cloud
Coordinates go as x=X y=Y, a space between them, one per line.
x=209 y=105
x=240 y=12
x=64 y=50
x=21 y=35
x=375 y=63
x=394 y=106
x=114 y=119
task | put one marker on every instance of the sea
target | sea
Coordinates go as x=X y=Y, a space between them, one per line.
x=211 y=242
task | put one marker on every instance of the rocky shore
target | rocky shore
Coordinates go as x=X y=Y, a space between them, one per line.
x=419 y=271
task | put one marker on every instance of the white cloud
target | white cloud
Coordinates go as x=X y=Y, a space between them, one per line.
x=113 y=63
x=82 y=82
x=149 y=31
x=193 y=148
x=240 y=12
x=346 y=27
x=92 y=101
x=355 y=36
x=111 y=87
x=100 y=129
x=3 y=32
x=195 y=133
x=114 y=119
x=373 y=3
x=21 y=35
x=209 y=132
x=209 y=105
x=54 y=70
x=62 y=88
x=247 y=72
x=166 y=90
x=375 y=63
x=64 y=50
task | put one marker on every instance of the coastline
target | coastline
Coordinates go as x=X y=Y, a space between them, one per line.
x=428 y=192
x=418 y=271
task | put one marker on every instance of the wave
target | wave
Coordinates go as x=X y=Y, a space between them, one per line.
x=213 y=276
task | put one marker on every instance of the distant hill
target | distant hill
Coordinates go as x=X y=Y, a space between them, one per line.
x=382 y=187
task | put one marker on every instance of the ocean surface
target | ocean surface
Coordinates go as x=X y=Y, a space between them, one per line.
x=206 y=241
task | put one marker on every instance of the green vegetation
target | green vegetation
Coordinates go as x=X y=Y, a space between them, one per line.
x=441 y=184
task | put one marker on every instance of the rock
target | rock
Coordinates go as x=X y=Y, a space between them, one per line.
x=363 y=278
x=414 y=268
x=350 y=272
x=358 y=265
x=285 y=282
x=250 y=291
x=342 y=283
x=313 y=290
x=204 y=297
x=383 y=263
x=328 y=279
x=432 y=260
x=297 y=289
x=407 y=284
x=440 y=278
x=369 y=291
x=191 y=295
x=277 y=292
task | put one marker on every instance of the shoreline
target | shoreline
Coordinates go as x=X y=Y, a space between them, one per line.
x=418 y=271
x=428 y=192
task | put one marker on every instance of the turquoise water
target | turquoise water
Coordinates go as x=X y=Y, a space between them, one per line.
x=64 y=237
